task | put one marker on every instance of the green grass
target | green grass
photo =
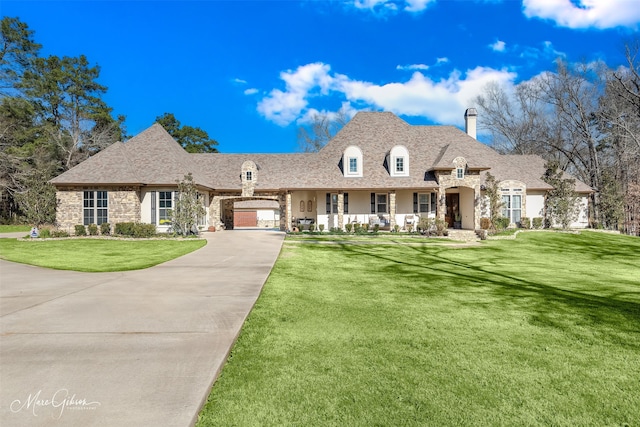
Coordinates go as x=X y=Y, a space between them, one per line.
x=14 y=228
x=371 y=237
x=95 y=255
x=538 y=331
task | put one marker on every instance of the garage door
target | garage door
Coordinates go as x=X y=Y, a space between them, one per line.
x=245 y=219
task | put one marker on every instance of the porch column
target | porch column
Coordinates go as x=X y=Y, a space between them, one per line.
x=215 y=212
x=392 y=209
x=340 y=210
x=477 y=207
x=284 y=200
x=288 y=199
x=442 y=203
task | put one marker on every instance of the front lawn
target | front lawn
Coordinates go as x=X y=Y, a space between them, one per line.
x=96 y=255
x=542 y=330
x=15 y=228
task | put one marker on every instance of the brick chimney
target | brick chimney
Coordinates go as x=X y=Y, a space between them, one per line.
x=470 y=117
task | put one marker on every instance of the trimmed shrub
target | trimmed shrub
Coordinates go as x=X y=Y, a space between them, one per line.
x=396 y=228
x=312 y=228
x=537 y=222
x=357 y=228
x=409 y=228
x=441 y=227
x=134 y=229
x=93 y=229
x=321 y=227
x=45 y=233
x=80 y=230
x=365 y=227
x=485 y=223
x=124 y=228
x=59 y=233
x=502 y=223
x=376 y=228
x=348 y=226
x=105 y=229
x=525 y=222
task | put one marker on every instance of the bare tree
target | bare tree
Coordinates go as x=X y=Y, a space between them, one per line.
x=320 y=130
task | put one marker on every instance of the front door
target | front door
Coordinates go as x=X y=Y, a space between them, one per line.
x=453 y=208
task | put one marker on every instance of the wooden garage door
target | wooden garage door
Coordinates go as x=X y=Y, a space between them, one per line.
x=245 y=219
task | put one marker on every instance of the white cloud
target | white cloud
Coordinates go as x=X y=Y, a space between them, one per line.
x=412 y=67
x=547 y=51
x=498 y=46
x=283 y=107
x=442 y=60
x=585 y=13
x=240 y=81
x=251 y=91
x=412 y=6
x=441 y=101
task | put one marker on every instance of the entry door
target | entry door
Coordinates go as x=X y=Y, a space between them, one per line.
x=453 y=207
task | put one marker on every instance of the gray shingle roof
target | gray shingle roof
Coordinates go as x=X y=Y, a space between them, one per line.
x=154 y=158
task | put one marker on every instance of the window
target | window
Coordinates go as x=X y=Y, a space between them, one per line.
x=332 y=203
x=249 y=175
x=95 y=207
x=352 y=162
x=512 y=207
x=165 y=205
x=353 y=165
x=399 y=164
x=460 y=173
x=378 y=203
x=398 y=161
x=424 y=202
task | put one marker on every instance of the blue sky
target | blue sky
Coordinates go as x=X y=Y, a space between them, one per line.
x=250 y=72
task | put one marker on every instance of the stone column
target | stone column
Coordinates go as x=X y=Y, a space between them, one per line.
x=215 y=212
x=340 y=210
x=392 y=209
x=442 y=203
x=477 y=211
x=288 y=213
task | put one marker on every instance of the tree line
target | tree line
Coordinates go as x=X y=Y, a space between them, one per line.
x=52 y=117
x=584 y=117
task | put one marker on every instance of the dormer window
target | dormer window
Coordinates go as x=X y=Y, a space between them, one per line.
x=353 y=165
x=460 y=173
x=249 y=176
x=398 y=161
x=352 y=162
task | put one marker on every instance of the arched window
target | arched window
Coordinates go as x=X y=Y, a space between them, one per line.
x=398 y=161
x=352 y=162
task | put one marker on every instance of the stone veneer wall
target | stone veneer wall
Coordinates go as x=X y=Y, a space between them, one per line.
x=450 y=179
x=123 y=206
x=219 y=200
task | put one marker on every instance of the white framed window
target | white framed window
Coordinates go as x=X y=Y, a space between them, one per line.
x=353 y=165
x=398 y=161
x=165 y=207
x=512 y=207
x=460 y=173
x=95 y=207
x=352 y=162
x=424 y=202
x=381 y=203
x=249 y=175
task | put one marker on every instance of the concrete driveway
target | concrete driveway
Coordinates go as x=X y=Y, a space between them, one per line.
x=137 y=348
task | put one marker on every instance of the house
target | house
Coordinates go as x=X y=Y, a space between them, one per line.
x=378 y=169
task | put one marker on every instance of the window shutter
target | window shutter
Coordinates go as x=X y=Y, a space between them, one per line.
x=434 y=198
x=153 y=207
x=328 y=203
x=415 y=203
x=346 y=203
x=373 y=202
